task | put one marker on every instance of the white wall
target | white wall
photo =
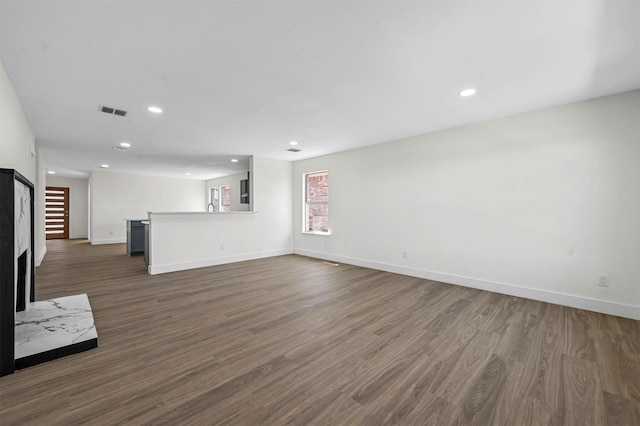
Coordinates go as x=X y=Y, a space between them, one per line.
x=18 y=151
x=536 y=205
x=78 y=203
x=185 y=241
x=17 y=142
x=39 y=228
x=271 y=197
x=115 y=197
x=234 y=182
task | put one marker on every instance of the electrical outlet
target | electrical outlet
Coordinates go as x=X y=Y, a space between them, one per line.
x=405 y=254
x=221 y=246
x=110 y=232
x=603 y=280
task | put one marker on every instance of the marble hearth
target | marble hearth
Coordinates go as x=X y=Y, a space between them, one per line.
x=54 y=328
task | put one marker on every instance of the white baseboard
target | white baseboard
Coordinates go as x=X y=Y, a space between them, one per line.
x=602 y=306
x=40 y=256
x=108 y=241
x=173 y=267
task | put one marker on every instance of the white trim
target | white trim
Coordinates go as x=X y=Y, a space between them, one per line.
x=596 y=305
x=197 y=213
x=108 y=241
x=305 y=203
x=40 y=256
x=172 y=267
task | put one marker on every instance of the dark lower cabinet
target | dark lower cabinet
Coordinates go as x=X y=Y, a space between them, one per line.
x=135 y=237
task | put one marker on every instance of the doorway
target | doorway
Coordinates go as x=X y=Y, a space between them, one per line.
x=56 y=213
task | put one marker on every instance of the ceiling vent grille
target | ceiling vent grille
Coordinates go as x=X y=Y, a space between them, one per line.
x=293 y=150
x=113 y=111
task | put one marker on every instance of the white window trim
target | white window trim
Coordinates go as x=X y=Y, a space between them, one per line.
x=319 y=233
x=304 y=205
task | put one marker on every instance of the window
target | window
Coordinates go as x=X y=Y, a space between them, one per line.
x=316 y=202
x=226 y=198
x=214 y=199
x=220 y=199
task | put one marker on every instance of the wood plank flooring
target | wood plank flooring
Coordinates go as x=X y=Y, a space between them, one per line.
x=291 y=340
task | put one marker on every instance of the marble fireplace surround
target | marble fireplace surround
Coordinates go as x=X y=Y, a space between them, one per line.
x=23 y=241
x=32 y=332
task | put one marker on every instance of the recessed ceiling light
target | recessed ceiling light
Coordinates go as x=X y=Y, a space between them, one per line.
x=51 y=172
x=234 y=160
x=188 y=174
x=468 y=92
x=104 y=166
x=293 y=143
x=155 y=109
x=122 y=146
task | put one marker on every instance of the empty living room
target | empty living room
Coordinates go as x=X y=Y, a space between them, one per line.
x=320 y=212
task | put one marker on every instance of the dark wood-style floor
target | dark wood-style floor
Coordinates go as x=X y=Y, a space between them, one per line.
x=292 y=340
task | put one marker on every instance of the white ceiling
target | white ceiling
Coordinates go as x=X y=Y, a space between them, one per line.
x=246 y=77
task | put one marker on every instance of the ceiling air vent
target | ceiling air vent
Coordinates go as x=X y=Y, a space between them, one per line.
x=293 y=150
x=109 y=110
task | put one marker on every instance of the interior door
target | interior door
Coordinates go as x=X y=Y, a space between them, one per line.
x=56 y=212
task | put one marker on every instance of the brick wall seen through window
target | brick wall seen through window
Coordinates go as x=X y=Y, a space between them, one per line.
x=316 y=202
x=226 y=198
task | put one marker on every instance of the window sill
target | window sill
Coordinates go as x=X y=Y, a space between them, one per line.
x=316 y=233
